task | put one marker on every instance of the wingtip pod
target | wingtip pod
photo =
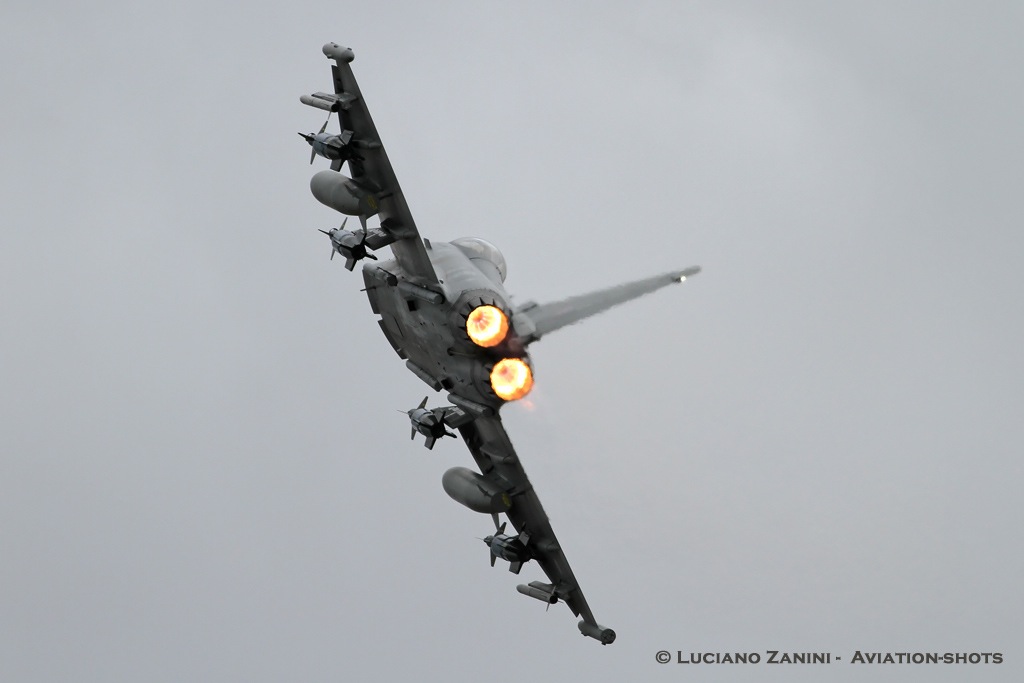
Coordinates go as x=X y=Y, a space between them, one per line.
x=597 y=632
x=342 y=54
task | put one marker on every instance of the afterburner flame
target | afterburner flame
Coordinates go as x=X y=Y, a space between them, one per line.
x=511 y=379
x=487 y=326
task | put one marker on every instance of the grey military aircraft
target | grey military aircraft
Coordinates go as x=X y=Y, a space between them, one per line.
x=444 y=309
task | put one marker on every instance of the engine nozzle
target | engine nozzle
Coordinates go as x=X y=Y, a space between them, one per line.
x=511 y=379
x=487 y=326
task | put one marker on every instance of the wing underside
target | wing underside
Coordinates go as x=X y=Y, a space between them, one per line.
x=497 y=460
x=545 y=318
x=371 y=169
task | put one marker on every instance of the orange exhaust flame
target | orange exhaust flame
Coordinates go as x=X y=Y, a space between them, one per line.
x=511 y=379
x=486 y=326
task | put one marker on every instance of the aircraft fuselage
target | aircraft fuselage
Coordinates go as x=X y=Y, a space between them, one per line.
x=428 y=328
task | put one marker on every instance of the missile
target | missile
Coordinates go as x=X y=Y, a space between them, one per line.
x=509 y=548
x=544 y=592
x=331 y=146
x=348 y=244
x=429 y=422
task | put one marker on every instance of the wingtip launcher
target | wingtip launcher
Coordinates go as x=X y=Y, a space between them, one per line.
x=597 y=632
x=339 y=53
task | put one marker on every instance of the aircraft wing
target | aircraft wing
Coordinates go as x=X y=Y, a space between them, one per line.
x=557 y=314
x=497 y=460
x=373 y=169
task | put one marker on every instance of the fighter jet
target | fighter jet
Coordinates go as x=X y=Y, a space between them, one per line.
x=444 y=309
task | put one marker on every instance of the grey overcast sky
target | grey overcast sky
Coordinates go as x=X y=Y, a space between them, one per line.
x=815 y=445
